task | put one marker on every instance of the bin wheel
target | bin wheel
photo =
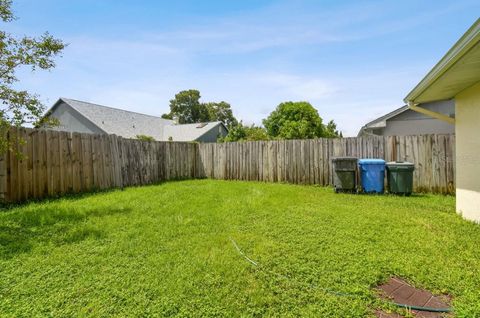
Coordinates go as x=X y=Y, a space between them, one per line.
x=337 y=190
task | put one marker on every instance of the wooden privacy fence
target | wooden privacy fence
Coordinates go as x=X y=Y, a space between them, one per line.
x=53 y=163
x=309 y=161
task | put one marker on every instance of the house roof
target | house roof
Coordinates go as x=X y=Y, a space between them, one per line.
x=188 y=132
x=129 y=124
x=381 y=122
x=120 y=122
x=456 y=71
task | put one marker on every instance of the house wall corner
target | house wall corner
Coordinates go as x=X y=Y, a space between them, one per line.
x=467 y=130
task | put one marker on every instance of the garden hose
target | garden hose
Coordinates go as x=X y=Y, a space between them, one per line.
x=243 y=254
x=326 y=290
x=342 y=294
x=420 y=308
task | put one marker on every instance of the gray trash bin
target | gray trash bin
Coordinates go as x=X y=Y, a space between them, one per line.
x=345 y=174
x=400 y=177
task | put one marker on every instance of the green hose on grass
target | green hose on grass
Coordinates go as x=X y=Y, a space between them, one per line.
x=420 y=308
x=342 y=294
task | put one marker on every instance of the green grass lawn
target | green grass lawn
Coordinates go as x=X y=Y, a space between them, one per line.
x=166 y=250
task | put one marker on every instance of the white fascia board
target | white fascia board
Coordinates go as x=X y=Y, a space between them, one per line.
x=463 y=45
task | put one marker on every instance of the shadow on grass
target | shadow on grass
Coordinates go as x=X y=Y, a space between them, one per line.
x=19 y=232
x=65 y=197
x=80 y=195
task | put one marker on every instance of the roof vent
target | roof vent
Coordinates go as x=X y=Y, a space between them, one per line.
x=201 y=125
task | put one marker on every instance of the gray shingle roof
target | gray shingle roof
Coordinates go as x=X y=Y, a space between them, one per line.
x=130 y=124
x=188 y=132
x=120 y=122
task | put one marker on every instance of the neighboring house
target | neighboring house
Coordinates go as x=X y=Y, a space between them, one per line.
x=78 y=116
x=404 y=121
x=457 y=75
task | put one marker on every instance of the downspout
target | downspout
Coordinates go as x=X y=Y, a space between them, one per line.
x=439 y=116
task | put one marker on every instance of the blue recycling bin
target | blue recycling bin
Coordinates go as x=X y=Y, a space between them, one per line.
x=372 y=175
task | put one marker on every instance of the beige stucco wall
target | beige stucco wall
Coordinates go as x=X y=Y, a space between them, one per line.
x=467 y=129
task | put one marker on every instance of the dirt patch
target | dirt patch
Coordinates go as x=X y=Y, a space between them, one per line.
x=382 y=314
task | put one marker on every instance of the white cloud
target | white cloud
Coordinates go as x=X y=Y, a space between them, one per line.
x=122 y=79
x=280 y=25
x=143 y=70
x=289 y=24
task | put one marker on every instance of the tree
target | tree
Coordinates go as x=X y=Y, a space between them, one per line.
x=19 y=107
x=294 y=120
x=255 y=133
x=331 y=130
x=241 y=132
x=237 y=133
x=298 y=120
x=187 y=109
x=221 y=112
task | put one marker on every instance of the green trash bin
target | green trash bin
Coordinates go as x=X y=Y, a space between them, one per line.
x=400 y=177
x=345 y=174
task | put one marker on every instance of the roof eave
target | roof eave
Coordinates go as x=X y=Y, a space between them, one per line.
x=461 y=47
x=52 y=108
x=383 y=119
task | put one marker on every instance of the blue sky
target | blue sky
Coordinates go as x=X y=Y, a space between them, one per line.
x=353 y=60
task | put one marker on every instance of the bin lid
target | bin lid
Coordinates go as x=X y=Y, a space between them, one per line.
x=371 y=162
x=344 y=159
x=400 y=164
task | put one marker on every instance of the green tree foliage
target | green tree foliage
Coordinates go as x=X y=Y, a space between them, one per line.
x=167 y=116
x=221 y=112
x=290 y=120
x=294 y=120
x=331 y=130
x=145 y=138
x=187 y=109
x=242 y=132
x=297 y=120
x=237 y=133
x=19 y=107
x=256 y=133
